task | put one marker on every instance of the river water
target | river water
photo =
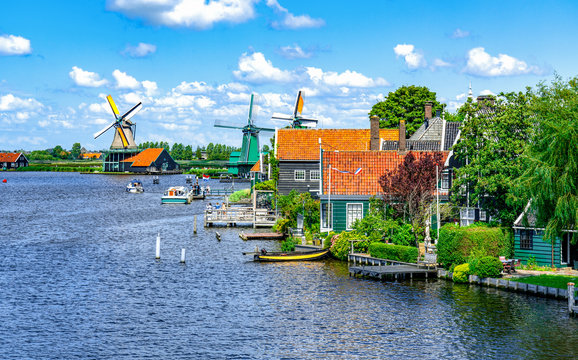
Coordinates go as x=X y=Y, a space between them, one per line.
x=79 y=279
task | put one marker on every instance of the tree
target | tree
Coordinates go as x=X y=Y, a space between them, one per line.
x=550 y=178
x=188 y=152
x=493 y=136
x=75 y=152
x=198 y=152
x=406 y=103
x=410 y=187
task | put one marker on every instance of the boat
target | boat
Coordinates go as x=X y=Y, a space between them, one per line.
x=135 y=186
x=290 y=255
x=198 y=192
x=177 y=195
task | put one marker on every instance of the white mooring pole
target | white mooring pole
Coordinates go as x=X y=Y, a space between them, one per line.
x=195 y=225
x=158 y=252
x=183 y=255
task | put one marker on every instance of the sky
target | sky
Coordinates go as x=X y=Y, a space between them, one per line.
x=194 y=62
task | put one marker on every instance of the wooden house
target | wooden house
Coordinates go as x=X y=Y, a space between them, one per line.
x=258 y=172
x=299 y=152
x=349 y=180
x=13 y=160
x=151 y=160
x=529 y=243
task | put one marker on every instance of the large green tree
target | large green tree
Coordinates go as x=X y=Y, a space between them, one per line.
x=408 y=103
x=75 y=151
x=550 y=178
x=492 y=138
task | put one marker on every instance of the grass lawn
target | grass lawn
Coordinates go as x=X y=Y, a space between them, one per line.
x=555 y=281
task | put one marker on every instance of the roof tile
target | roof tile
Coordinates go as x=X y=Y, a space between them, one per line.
x=9 y=157
x=145 y=157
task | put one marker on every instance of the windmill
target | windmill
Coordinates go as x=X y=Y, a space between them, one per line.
x=125 y=129
x=242 y=162
x=297 y=121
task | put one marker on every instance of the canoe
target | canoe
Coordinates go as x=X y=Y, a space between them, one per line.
x=292 y=256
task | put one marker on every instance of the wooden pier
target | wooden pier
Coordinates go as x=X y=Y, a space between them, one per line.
x=240 y=216
x=383 y=269
x=262 y=236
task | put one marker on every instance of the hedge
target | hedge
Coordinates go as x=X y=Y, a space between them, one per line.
x=461 y=273
x=393 y=252
x=456 y=243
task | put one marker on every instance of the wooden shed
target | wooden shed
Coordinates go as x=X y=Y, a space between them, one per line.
x=12 y=160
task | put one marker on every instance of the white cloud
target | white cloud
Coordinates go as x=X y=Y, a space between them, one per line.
x=255 y=68
x=10 y=102
x=150 y=87
x=440 y=63
x=487 y=92
x=461 y=96
x=290 y=21
x=294 y=52
x=413 y=59
x=346 y=78
x=197 y=14
x=195 y=87
x=139 y=51
x=460 y=34
x=124 y=81
x=480 y=63
x=14 y=45
x=86 y=78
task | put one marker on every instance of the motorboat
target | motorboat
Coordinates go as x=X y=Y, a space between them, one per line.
x=177 y=195
x=135 y=186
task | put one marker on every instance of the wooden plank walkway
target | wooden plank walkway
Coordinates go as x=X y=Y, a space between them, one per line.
x=392 y=271
x=262 y=236
x=239 y=216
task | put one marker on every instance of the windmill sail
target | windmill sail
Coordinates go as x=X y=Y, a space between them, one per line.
x=297 y=120
x=124 y=128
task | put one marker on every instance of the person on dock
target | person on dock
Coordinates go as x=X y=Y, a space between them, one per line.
x=209 y=207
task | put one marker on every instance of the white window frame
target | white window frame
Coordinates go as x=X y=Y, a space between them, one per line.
x=348 y=223
x=329 y=213
x=467 y=216
x=318 y=175
x=445 y=183
x=295 y=172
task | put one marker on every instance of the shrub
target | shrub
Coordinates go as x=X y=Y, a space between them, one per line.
x=282 y=225
x=289 y=244
x=457 y=243
x=340 y=244
x=488 y=266
x=393 y=252
x=461 y=273
x=266 y=185
x=403 y=235
x=241 y=194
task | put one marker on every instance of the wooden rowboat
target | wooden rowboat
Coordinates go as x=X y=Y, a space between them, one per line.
x=291 y=256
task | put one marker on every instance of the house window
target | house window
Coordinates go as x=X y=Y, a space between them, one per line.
x=445 y=181
x=300 y=175
x=467 y=216
x=354 y=212
x=315 y=174
x=326 y=216
x=526 y=242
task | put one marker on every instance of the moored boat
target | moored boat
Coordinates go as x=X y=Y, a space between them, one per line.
x=177 y=195
x=290 y=255
x=135 y=186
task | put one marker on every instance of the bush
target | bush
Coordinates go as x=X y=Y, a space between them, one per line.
x=241 y=194
x=289 y=244
x=488 y=266
x=393 y=252
x=340 y=244
x=403 y=235
x=461 y=273
x=282 y=225
x=266 y=185
x=457 y=243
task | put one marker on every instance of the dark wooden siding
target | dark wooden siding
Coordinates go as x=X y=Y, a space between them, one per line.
x=541 y=250
x=287 y=180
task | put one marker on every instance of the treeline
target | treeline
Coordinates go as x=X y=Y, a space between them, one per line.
x=185 y=152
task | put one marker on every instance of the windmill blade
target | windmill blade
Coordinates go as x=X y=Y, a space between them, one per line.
x=122 y=136
x=302 y=120
x=132 y=111
x=298 y=105
x=278 y=116
x=264 y=129
x=97 y=134
x=250 y=120
x=224 y=124
x=113 y=106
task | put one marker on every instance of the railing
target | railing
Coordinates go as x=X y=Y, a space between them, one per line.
x=239 y=215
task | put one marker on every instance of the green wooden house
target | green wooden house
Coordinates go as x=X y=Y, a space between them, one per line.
x=529 y=244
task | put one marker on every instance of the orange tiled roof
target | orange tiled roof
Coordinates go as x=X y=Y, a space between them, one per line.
x=303 y=144
x=145 y=157
x=90 y=155
x=256 y=167
x=373 y=164
x=9 y=157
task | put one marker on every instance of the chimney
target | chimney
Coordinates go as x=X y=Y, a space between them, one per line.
x=402 y=135
x=428 y=106
x=374 y=133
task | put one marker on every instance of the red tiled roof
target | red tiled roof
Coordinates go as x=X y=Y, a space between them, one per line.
x=256 y=167
x=145 y=157
x=373 y=164
x=9 y=157
x=303 y=144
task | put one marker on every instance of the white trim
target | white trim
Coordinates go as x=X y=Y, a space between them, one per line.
x=295 y=175
x=443 y=140
x=348 y=226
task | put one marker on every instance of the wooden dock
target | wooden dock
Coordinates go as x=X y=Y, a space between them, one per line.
x=383 y=269
x=262 y=236
x=240 y=216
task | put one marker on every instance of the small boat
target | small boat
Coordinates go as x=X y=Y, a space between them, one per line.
x=290 y=255
x=198 y=192
x=177 y=195
x=135 y=186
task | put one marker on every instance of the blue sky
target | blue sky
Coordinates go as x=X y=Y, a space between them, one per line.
x=192 y=62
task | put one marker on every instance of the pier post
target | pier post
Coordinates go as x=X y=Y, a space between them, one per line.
x=158 y=252
x=571 y=300
x=183 y=255
x=195 y=225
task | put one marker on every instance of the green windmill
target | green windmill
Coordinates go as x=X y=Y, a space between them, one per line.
x=240 y=162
